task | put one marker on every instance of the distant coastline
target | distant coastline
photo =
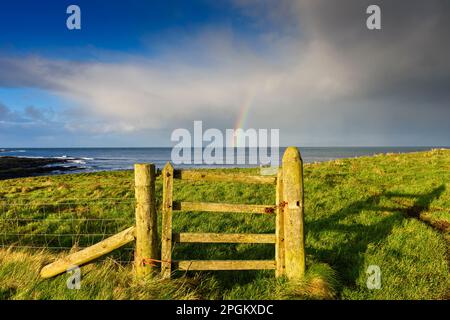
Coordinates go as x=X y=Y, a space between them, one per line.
x=25 y=162
x=18 y=167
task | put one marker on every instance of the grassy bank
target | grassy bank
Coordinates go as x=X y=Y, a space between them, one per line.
x=389 y=210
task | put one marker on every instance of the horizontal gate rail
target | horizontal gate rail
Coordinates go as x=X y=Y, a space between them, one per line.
x=223 y=207
x=193 y=265
x=223 y=238
x=222 y=177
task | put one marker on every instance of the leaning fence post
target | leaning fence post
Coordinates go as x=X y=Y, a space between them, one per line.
x=294 y=237
x=146 y=223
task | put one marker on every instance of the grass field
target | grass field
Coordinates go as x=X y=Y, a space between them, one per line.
x=388 y=210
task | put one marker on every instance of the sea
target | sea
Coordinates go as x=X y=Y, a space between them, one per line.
x=108 y=159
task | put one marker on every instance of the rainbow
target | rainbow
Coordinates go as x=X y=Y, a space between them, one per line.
x=244 y=111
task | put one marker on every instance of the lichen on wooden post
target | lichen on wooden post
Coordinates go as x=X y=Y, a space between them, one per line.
x=294 y=236
x=146 y=222
x=166 y=236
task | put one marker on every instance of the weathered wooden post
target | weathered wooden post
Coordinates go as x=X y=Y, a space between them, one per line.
x=166 y=234
x=294 y=237
x=146 y=223
x=279 y=227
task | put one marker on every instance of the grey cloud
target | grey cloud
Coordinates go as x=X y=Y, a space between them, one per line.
x=410 y=52
x=27 y=116
x=34 y=113
x=8 y=115
x=3 y=111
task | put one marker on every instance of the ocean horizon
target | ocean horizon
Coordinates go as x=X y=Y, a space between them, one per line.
x=92 y=159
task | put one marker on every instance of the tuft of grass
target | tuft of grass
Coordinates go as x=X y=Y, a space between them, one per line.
x=320 y=282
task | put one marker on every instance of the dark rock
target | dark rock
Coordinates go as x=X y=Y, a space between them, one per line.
x=17 y=167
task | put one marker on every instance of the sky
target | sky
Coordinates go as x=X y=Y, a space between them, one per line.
x=137 y=70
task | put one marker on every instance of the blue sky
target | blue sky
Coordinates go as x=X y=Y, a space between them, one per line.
x=39 y=26
x=137 y=70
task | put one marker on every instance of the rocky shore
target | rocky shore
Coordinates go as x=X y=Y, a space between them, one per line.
x=18 y=167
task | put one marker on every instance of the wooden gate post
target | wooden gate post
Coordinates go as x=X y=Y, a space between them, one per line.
x=166 y=233
x=294 y=237
x=279 y=227
x=146 y=222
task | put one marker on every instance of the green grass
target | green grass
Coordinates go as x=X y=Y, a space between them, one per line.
x=388 y=210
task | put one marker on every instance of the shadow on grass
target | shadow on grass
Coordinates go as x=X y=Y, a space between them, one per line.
x=347 y=256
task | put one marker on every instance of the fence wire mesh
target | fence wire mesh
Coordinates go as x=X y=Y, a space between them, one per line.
x=66 y=225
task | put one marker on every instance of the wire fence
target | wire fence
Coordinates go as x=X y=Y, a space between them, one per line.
x=65 y=225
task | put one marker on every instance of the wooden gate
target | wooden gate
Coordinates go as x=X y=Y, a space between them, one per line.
x=288 y=237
